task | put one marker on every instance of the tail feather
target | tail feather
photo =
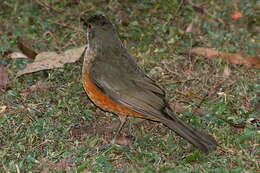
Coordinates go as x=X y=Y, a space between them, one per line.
x=204 y=142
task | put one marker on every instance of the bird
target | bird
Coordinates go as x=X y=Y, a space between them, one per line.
x=114 y=82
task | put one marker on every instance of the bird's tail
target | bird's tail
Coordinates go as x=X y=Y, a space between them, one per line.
x=204 y=142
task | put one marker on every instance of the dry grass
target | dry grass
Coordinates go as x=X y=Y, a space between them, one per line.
x=59 y=129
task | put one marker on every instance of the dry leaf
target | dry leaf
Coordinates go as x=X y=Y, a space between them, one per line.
x=190 y=27
x=236 y=15
x=25 y=46
x=209 y=53
x=222 y=94
x=2 y=109
x=124 y=140
x=16 y=55
x=226 y=71
x=3 y=76
x=51 y=60
x=233 y=58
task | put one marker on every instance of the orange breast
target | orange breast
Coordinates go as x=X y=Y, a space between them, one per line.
x=103 y=101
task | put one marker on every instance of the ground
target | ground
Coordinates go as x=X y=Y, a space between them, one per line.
x=48 y=124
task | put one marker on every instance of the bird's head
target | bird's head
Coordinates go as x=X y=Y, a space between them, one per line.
x=98 y=26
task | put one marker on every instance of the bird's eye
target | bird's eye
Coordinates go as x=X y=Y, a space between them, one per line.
x=89 y=26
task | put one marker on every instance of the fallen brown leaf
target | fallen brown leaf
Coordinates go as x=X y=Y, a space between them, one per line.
x=226 y=72
x=124 y=140
x=25 y=46
x=233 y=58
x=16 y=55
x=190 y=27
x=2 y=109
x=51 y=60
x=3 y=76
x=236 y=15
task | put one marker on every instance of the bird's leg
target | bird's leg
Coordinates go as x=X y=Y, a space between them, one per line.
x=132 y=122
x=130 y=127
x=122 y=121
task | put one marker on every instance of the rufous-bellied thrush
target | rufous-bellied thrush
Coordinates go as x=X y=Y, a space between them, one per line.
x=115 y=83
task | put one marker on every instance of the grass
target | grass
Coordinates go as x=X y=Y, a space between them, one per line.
x=57 y=129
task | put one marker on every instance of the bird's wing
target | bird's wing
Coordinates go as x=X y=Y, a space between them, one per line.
x=136 y=91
